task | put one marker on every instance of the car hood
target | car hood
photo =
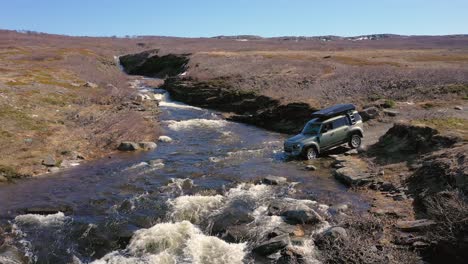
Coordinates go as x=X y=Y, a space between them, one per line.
x=299 y=138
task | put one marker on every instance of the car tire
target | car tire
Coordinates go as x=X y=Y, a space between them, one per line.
x=311 y=153
x=354 y=141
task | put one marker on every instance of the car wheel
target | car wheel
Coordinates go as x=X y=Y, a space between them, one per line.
x=355 y=141
x=311 y=153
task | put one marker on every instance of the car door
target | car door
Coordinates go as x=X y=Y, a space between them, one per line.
x=326 y=135
x=340 y=130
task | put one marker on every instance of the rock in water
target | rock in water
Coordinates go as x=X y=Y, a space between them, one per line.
x=274 y=180
x=237 y=214
x=128 y=146
x=164 y=139
x=311 y=167
x=273 y=245
x=147 y=145
x=301 y=215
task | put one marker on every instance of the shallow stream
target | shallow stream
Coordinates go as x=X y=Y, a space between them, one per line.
x=159 y=206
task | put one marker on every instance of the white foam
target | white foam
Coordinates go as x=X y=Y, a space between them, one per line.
x=177 y=105
x=195 y=123
x=42 y=220
x=194 y=208
x=180 y=242
x=212 y=250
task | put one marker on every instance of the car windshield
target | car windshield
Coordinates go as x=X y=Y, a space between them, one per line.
x=311 y=128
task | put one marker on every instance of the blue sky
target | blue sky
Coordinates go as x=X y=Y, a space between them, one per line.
x=206 y=18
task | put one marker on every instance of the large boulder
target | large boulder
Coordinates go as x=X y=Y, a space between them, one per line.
x=236 y=213
x=273 y=245
x=294 y=211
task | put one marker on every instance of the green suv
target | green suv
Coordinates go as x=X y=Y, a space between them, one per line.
x=329 y=128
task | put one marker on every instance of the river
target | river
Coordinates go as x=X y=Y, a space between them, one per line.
x=159 y=206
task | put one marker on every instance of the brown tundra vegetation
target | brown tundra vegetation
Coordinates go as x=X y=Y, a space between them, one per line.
x=64 y=95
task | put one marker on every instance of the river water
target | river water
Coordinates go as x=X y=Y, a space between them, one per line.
x=159 y=206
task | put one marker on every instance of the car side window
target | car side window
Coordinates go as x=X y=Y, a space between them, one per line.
x=327 y=127
x=340 y=122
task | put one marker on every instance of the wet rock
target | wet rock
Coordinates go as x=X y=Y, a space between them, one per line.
x=387 y=187
x=236 y=214
x=53 y=169
x=310 y=167
x=11 y=255
x=369 y=113
x=391 y=112
x=147 y=145
x=238 y=234
x=273 y=245
x=352 y=176
x=90 y=85
x=291 y=256
x=291 y=230
x=417 y=225
x=165 y=139
x=49 y=161
x=274 y=180
x=128 y=146
x=157 y=163
x=301 y=215
x=336 y=232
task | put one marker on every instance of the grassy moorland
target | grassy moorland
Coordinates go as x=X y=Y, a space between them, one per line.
x=63 y=97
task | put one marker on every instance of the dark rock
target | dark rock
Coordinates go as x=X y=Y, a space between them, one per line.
x=291 y=256
x=236 y=214
x=301 y=215
x=274 y=180
x=311 y=168
x=49 y=161
x=387 y=187
x=417 y=225
x=128 y=146
x=351 y=152
x=273 y=245
x=458 y=107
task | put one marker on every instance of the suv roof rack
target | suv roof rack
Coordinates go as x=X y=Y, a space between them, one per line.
x=334 y=111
